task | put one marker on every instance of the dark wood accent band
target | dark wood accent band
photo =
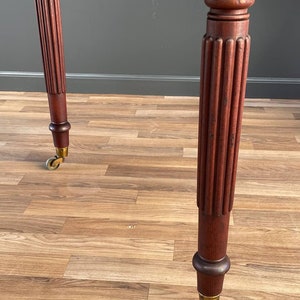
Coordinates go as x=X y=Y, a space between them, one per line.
x=210 y=274
x=212 y=268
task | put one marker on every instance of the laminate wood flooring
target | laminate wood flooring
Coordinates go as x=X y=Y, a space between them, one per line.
x=118 y=220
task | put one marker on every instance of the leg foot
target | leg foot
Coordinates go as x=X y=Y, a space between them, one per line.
x=201 y=297
x=54 y=162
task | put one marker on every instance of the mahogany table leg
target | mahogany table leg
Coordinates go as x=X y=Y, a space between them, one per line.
x=50 y=29
x=225 y=53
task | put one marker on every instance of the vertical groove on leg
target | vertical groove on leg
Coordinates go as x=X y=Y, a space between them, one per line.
x=240 y=115
x=203 y=116
x=233 y=123
x=224 y=115
x=213 y=125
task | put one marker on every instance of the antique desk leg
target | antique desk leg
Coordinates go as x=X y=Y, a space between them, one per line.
x=225 y=53
x=50 y=29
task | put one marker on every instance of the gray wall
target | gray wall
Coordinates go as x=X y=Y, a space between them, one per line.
x=146 y=47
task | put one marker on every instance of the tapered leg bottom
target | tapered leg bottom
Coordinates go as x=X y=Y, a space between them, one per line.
x=201 y=297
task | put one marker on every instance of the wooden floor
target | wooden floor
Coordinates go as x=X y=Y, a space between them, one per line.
x=118 y=219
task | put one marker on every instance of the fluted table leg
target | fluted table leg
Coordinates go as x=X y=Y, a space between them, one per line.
x=225 y=53
x=50 y=29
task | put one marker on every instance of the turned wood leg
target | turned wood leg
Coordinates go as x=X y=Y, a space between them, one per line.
x=225 y=53
x=50 y=29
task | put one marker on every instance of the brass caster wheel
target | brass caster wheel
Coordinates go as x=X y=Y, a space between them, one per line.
x=53 y=163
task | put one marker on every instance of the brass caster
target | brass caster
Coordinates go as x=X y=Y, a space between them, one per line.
x=201 y=297
x=54 y=162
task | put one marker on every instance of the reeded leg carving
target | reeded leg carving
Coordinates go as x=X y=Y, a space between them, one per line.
x=50 y=29
x=225 y=54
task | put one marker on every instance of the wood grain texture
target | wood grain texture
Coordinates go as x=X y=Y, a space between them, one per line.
x=119 y=221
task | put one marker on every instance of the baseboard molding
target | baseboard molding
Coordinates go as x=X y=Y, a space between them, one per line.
x=113 y=77
x=266 y=87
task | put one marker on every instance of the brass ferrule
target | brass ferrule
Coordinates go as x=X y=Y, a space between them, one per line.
x=202 y=297
x=62 y=152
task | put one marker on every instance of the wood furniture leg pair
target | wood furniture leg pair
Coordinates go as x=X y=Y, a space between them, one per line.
x=225 y=53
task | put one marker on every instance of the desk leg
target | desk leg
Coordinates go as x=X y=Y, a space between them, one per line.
x=50 y=29
x=225 y=53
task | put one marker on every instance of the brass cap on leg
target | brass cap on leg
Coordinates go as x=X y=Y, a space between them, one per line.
x=62 y=152
x=202 y=297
